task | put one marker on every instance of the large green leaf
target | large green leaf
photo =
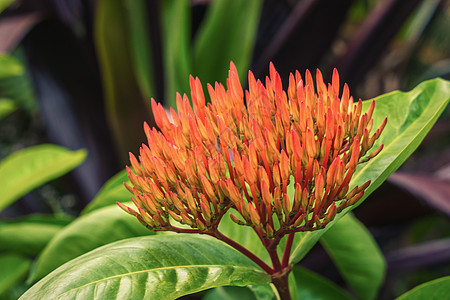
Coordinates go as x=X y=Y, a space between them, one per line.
x=155 y=267
x=433 y=290
x=357 y=256
x=176 y=29
x=25 y=170
x=13 y=268
x=111 y=192
x=227 y=33
x=410 y=116
x=86 y=233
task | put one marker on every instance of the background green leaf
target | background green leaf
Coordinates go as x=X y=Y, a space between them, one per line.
x=111 y=192
x=155 y=267
x=230 y=293
x=13 y=268
x=7 y=106
x=15 y=83
x=227 y=33
x=357 y=256
x=28 y=236
x=125 y=103
x=25 y=170
x=433 y=290
x=410 y=116
x=313 y=286
x=244 y=235
x=139 y=41
x=176 y=36
x=86 y=233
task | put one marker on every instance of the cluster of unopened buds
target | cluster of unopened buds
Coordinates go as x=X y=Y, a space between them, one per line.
x=282 y=160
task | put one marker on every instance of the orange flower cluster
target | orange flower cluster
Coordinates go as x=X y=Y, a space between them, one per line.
x=283 y=161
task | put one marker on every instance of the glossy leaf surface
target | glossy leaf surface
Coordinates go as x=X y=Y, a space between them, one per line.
x=357 y=256
x=27 y=169
x=410 y=116
x=156 y=267
x=86 y=233
x=432 y=290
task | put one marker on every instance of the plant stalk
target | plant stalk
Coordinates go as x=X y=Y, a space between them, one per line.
x=281 y=281
x=243 y=250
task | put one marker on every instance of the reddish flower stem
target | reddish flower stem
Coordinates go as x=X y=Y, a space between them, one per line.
x=287 y=250
x=217 y=234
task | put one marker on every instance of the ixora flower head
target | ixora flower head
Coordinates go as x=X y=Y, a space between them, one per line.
x=285 y=156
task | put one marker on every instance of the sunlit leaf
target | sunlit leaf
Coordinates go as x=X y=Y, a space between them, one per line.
x=155 y=267
x=410 y=116
x=357 y=256
x=27 y=169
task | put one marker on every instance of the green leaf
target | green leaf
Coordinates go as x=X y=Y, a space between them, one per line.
x=125 y=103
x=9 y=66
x=139 y=42
x=227 y=33
x=357 y=256
x=7 y=106
x=13 y=269
x=111 y=192
x=15 y=83
x=230 y=293
x=4 y=4
x=313 y=286
x=86 y=233
x=410 y=116
x=26 y=237
x=433 y=290
x=155 y=267
x=244 y=235
x=176 y=36
x=27 y=169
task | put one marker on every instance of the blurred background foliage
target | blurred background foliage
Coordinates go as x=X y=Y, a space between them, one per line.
x=80 y=74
